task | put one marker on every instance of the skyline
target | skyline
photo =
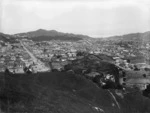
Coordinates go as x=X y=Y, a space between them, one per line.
x=94 y=18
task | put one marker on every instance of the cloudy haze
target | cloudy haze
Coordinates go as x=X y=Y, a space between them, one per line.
x=95 y=18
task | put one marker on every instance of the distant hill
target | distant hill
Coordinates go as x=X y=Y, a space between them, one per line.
x=141 y=37
x=44 y=35
x=7 y=38
x=3 y=37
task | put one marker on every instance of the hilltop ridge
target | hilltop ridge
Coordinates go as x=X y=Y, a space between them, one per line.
x=43 y=35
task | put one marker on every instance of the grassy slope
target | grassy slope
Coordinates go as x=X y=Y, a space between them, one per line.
x=62 y=93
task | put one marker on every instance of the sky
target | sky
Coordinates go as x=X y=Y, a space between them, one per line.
x=96 y=18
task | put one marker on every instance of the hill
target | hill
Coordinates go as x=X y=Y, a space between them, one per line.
x=44 y=35
x=3 y=37
x=61 y=92
x=140 y=37
x=7 y=38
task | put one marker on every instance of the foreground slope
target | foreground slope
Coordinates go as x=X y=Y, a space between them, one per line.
x=61 y=92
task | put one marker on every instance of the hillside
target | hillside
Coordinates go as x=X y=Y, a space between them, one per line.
x=60 y=92
x=3 y=37
x=7 y=38
x=140 y=37
x=44 y=35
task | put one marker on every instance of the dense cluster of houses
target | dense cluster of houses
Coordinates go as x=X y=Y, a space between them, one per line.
x=14 y=58
x=60 y=52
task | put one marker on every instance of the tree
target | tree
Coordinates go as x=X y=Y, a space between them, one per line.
x=128 y=61
x=136 y=68
x=144 y=75
x=80 y=53
x=58 y=56
x=45 y=50
x=7 y=71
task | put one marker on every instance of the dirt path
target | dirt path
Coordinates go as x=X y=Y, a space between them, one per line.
x=114 y=98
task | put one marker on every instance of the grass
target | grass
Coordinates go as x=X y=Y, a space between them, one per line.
x=60 y=92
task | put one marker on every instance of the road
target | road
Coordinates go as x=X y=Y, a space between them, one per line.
x=31 y=54
x=40 y=66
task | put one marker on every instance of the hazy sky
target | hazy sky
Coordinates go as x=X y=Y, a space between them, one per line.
x=89 y=17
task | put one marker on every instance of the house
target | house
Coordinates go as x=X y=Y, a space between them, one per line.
x=140 y=83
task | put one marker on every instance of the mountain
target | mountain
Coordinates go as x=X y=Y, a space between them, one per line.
x=40 y=32
x=44 y=35
x=140 y=37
